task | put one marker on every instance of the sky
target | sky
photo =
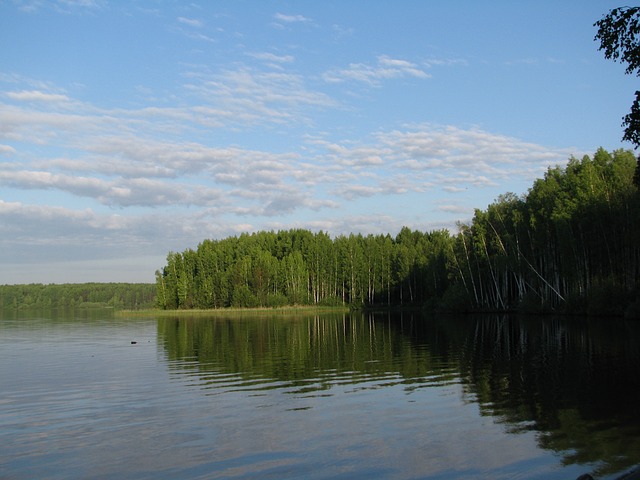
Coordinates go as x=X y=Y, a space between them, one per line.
x=131 y=129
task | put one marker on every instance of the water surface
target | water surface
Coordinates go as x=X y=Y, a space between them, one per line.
x=333 y=396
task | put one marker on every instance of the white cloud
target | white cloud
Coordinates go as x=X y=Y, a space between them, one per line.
x=272 y=58
x=131 y=157
x=37 y=96
x=454 y=189
x=61 y=6
x=42 y=243
x=80 y=3
x=6 y=150
x=241 y=98
x=281 y=17
x=351 y=192
x=29 y=226
x=455 y=208
x=255 y=97
x=119 y=192
x=283 y=203
x=192 y=22
x=385 y=68
x=375 y=223
x=446 y=62
x=61 y=222
x=356 y=156
x=423 y=157
x=523 y=61
x=425 y=147
x=154 y=164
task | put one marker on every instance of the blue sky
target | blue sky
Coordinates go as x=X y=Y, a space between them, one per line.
x=129 y=129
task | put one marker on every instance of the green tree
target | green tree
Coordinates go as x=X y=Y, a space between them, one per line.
x=619 y=37
x=296 y=278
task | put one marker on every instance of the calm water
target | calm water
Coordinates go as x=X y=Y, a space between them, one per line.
x=361 y=396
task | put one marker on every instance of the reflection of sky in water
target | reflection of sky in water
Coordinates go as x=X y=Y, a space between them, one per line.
x=79 y=400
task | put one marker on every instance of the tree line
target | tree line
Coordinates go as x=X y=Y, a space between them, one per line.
x=300 y=267
x=71 y=295
x=569 y=244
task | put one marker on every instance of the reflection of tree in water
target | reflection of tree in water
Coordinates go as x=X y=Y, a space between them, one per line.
x=301 y=350
x=575 y=383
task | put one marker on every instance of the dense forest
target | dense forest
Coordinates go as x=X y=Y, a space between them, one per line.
x=569 y=245
x=71 y=295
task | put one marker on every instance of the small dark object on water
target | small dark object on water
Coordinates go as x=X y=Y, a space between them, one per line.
x=133 y=342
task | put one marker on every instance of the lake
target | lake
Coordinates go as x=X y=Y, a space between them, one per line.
x=386 y=395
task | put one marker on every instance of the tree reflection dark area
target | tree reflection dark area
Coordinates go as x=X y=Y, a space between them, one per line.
x=575 y=383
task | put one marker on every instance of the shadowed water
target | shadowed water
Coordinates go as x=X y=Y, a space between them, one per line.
x=333 y=396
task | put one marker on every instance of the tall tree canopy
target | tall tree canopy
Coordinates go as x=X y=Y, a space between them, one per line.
x=619 y=37
x=569 y=244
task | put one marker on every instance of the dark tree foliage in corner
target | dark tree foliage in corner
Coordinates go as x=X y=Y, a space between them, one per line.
x=619 y=37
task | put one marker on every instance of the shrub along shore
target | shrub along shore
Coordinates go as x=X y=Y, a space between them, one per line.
x=233 y=311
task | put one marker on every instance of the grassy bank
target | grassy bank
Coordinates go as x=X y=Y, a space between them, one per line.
x=231 y=312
